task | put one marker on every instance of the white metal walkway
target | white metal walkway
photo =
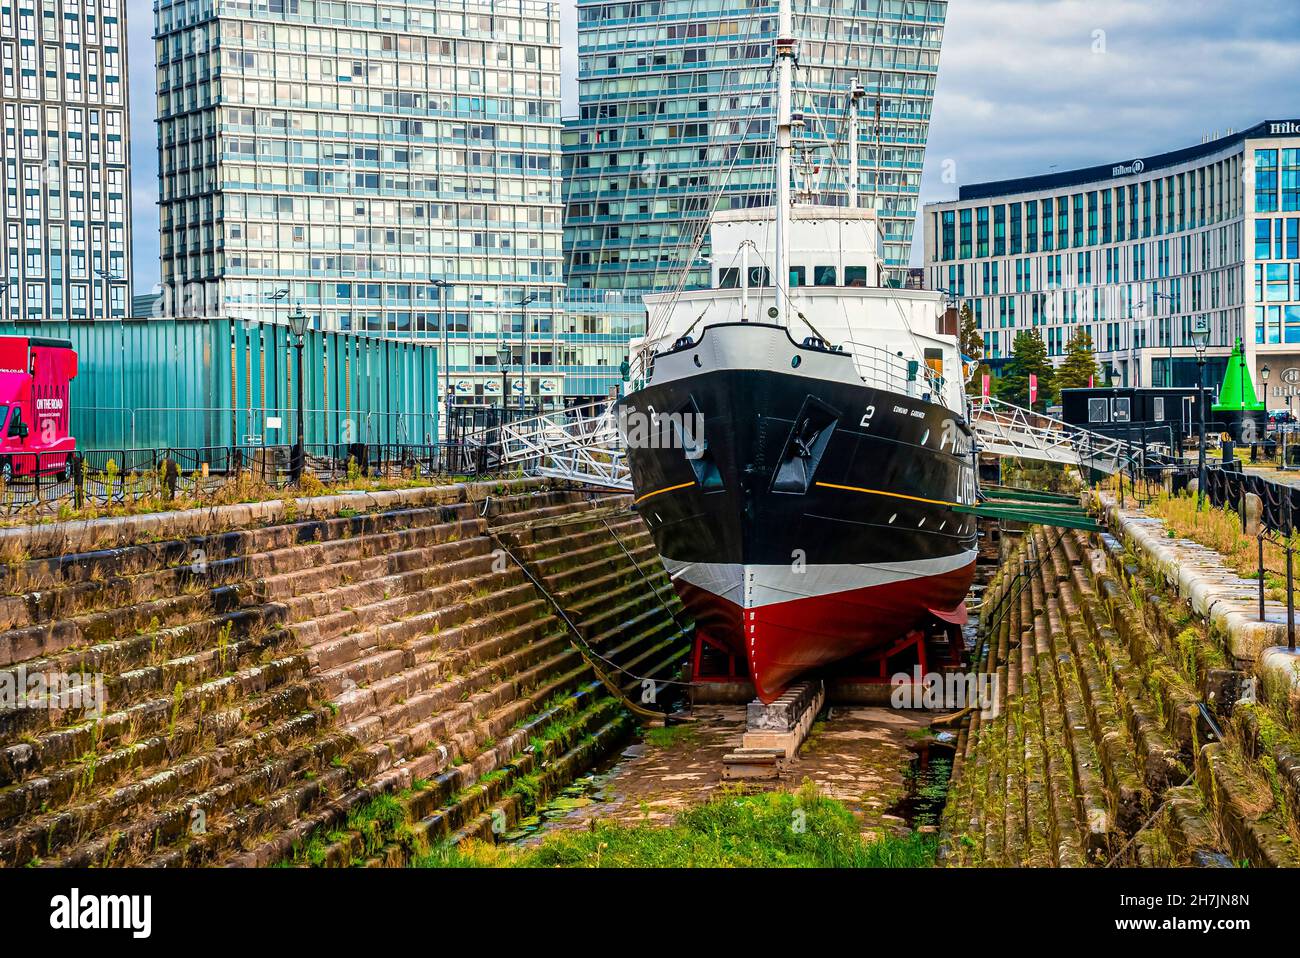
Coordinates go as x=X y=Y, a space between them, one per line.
x=582 y=444
x=585 y=445
x=1002 y=429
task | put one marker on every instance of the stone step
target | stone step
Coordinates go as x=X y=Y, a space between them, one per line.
x=61 y=588
x=606 y=570
x=294 y=776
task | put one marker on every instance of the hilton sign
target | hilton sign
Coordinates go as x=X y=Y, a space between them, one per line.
x=1131 y=169
x=1289 y=128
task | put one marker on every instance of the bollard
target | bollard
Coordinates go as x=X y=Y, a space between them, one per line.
x=1290 y=601
x=79 y=480
x=1261 y=578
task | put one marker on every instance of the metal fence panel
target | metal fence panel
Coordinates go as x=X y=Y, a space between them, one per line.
x=202 y=383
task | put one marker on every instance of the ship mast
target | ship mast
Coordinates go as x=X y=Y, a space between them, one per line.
x=785 y=57
x=856 y=94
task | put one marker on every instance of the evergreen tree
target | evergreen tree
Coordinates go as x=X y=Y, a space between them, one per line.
x=972 y=340
x=1028 y=357
x=1080 y=367
x=972 y=347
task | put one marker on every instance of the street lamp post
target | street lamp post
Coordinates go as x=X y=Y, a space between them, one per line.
x=1200 y=339
x=503 y=355
x=523 y=365
x=1264 y=373
x=444 y=290
x=298 y=325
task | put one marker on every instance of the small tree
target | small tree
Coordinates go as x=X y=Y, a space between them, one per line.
x=971 y=343
x=972 y=340
x=1028 y=357
x=1080 y=367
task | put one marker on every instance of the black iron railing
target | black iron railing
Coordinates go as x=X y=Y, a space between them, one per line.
x=110 y=478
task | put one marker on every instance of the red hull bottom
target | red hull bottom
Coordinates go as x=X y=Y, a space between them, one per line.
x=782 y=641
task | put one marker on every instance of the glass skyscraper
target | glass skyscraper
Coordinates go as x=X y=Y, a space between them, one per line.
x=66 y=216
x=677 y=114
x=393 y=166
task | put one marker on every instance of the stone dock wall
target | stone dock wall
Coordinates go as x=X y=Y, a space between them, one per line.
x=1098 y=750
x=342 y=680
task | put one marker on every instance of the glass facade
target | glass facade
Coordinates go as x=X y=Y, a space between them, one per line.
x=360 y=155
x=1131 y=256
x=676 y=117
x=66 y=212
x=1276 y=246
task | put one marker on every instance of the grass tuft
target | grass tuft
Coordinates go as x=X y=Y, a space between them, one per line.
x=771 y=830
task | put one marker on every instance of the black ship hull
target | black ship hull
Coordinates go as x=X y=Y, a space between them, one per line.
x=805 y=519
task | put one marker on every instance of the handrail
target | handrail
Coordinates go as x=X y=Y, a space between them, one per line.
x=583 y=648
x=894 y=370
x=1019 y=582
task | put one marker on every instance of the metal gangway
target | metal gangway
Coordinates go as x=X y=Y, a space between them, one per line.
x=1002 y=429
x=582 y=444
x=585 y=444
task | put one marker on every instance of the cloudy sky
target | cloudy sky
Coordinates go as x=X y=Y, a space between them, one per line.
x=1024 y=86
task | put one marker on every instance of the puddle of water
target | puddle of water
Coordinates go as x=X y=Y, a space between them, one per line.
x=586 y=790
x=926 y=782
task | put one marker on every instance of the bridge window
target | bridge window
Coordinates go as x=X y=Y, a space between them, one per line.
x=855 y=276
x=824 y=275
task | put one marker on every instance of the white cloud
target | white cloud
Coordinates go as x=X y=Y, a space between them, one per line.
x=1027 y=84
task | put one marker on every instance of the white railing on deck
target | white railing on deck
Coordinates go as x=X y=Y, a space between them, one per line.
x=883 y=369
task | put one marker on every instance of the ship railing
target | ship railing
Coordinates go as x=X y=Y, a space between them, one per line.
x=895 y=371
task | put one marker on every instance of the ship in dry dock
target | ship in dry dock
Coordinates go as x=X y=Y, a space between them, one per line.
x=807 y=514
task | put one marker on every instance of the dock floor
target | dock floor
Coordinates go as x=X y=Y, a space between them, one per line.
x=860 y=756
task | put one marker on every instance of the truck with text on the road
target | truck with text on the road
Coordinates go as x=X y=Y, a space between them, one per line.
x=35 y=410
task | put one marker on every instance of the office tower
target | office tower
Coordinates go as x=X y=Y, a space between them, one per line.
x=66 y=216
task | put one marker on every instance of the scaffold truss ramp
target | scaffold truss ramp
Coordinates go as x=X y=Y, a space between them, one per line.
x=582 y=444
x=1002 y=429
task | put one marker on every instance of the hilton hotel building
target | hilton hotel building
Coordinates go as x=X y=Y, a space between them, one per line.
x=1135 y=252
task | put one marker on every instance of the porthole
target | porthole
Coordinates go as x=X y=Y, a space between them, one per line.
x=796 y=362
x=697 y=361
x=925 y=438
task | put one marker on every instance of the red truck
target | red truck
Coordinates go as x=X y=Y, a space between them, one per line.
x=35 y=413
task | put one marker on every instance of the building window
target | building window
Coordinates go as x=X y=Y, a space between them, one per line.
x=1291 y=180
x=1266 y=181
